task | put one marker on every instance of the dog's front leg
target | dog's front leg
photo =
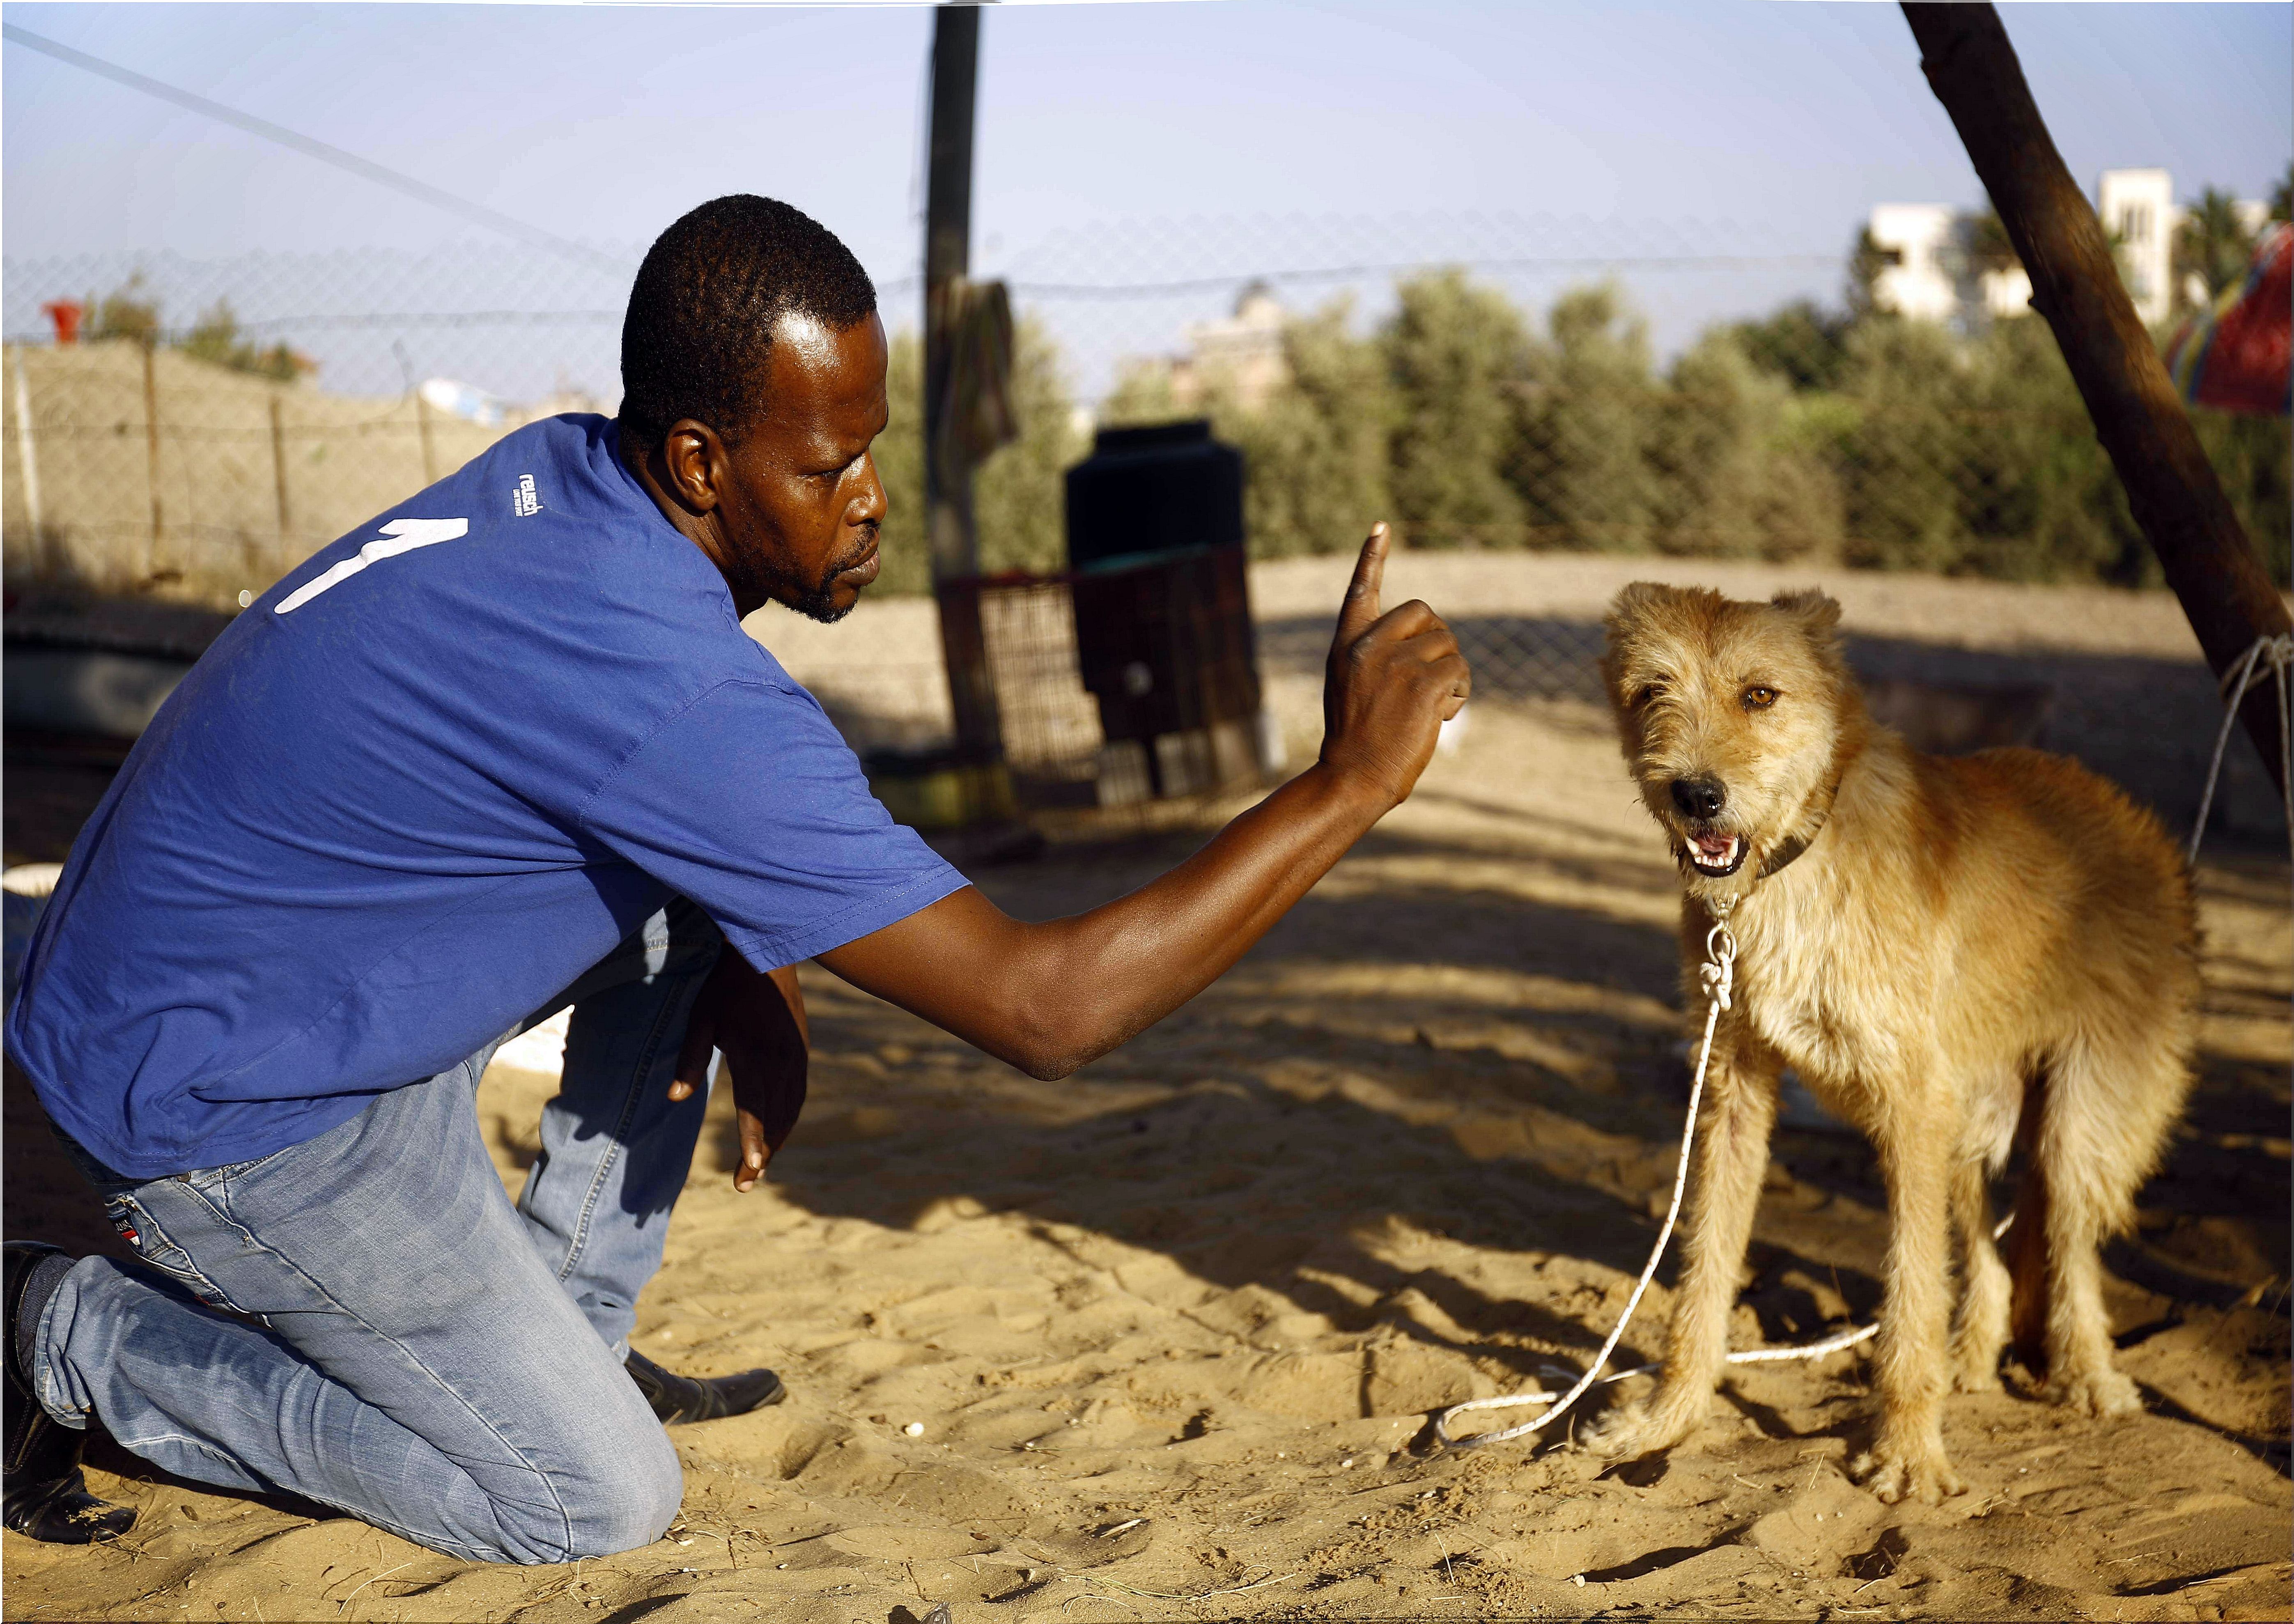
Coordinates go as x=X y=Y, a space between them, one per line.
x=1915 y=1152
x=1732 y=1154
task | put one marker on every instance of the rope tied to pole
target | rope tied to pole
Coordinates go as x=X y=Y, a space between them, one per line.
x=2273 y=653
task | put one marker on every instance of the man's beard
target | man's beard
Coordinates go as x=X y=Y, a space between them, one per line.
x=818 y=602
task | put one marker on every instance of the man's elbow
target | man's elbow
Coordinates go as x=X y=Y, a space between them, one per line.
x=1049 y=1056
x=1049 y=1044
x=1049 y=1066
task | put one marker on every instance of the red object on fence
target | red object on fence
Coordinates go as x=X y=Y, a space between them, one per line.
x=66 y=314
x=2234 y=356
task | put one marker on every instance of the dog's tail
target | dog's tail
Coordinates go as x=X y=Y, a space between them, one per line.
x=2027 y=1237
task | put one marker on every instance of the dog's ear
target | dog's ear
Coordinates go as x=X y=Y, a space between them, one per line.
x=1634 y=605
x=1820 y=614
x=1630 y=613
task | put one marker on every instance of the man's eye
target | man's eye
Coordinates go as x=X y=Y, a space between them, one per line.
x=1759 y=698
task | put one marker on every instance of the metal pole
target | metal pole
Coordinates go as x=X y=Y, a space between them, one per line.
x=279 y=467
x=948 y=482
x=152 y=449
x=27 y=457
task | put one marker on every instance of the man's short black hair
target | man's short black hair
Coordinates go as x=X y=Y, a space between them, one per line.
x=702 y=313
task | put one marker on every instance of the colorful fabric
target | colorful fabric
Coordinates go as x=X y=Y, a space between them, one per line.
x=2235 y=357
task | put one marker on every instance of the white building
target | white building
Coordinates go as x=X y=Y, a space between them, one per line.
x=2137 y=207
x=1930 y=276
x=1920 y=241
x=1243 y=352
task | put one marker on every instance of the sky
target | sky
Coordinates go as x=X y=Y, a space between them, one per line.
x=1119 y=142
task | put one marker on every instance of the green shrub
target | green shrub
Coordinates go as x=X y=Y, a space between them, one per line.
x=1868 y=440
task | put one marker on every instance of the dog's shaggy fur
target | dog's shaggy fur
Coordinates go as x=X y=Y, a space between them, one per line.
x=1966 y=955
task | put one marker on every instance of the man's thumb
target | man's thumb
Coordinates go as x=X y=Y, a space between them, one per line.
x=1359 y=613
x=693 y=1058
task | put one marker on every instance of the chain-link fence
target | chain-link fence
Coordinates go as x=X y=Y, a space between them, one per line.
x=1682 y=390
x=209 y=425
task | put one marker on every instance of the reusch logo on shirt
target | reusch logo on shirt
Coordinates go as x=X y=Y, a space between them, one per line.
x=526 y=501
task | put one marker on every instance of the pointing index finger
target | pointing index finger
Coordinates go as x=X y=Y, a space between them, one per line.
x=1360 y=610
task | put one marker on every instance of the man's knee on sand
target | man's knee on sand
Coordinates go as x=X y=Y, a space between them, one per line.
x=624 y=1497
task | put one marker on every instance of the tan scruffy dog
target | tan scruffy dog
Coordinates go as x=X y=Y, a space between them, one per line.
x=1955 y=955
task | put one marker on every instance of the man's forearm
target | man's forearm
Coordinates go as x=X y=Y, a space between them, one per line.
x=1120 y=967
x=1051 y=996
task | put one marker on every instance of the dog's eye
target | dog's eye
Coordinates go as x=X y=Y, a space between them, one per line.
x=1650 y=692
x=1758 y=698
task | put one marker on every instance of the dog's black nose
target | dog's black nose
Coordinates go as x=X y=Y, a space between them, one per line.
x=1699 y=797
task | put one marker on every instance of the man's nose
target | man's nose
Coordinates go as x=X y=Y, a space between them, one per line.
x=872 y=500
x=1699 y=797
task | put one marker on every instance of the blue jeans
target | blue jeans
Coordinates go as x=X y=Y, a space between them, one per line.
x=421 y=1354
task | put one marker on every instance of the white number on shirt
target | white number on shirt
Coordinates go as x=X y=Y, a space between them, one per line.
x=399 y=536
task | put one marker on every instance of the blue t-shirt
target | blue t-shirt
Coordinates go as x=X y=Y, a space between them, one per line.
x=421 y=785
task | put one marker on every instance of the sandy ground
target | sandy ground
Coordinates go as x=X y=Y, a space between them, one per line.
x=1161 y=1340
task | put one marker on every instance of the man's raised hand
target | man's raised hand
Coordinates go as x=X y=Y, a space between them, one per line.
x=1048 y=997
x=1394 y=678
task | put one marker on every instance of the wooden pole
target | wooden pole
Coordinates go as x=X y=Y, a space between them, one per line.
x=28 y=460
x=151 y=453
x=429 y=456
x=2170 y=485
x=279 y=469
x=949 y=521
x=947 y=261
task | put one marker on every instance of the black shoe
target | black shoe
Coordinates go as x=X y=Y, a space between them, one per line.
x=678 y=1399
x=45 y=1498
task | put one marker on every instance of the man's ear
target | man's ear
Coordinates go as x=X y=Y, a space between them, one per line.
x=693 y=464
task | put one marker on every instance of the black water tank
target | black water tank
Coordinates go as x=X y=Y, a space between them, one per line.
x=1148 y=491
x=1162 y=599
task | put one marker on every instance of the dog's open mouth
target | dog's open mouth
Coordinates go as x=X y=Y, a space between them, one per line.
x=1714 y=853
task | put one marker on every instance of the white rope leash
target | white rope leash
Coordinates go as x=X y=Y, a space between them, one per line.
x=1717 y=977
x=2275 y=653
x=1717 y=974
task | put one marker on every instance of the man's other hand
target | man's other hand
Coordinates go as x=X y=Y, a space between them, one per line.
x=1394 y=679
x=756 y=1018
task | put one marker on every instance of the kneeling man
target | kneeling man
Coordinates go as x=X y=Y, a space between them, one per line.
x=503 y=751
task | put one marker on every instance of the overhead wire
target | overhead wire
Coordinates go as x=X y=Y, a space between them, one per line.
x=323 y=152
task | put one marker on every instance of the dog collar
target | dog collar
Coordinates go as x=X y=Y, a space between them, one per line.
x=1790 y=852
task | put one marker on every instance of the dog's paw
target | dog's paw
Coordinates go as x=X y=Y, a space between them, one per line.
x=2101 y=1393
x=1634 y=1430
x=1976 y=1370
x=1896 y=1474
